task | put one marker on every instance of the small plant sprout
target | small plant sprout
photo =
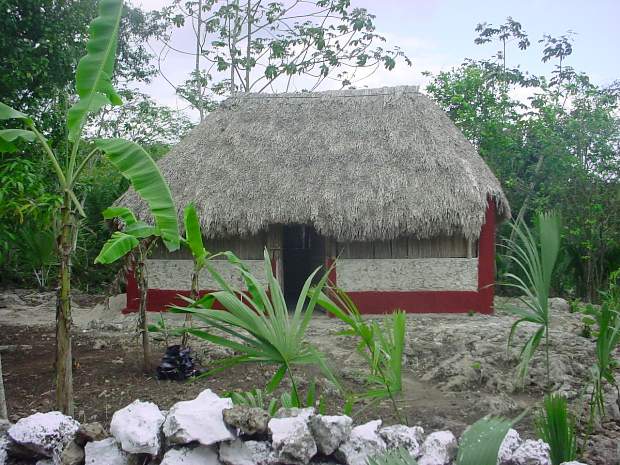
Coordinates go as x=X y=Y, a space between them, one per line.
x=382 y=346
x=534 y=255
x=556 y=427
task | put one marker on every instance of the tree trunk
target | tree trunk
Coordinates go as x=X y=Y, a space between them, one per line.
x=198 y=53
x=143 y=287
x=64 y=361
x=193 y=296
x=248 y=51
x=3 y=410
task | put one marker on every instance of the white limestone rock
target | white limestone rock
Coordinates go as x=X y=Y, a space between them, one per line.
x=136 y=427
x=439 y=448
x=574 y=462
x=531 y=452
x=44 y=433
x=408 y=437
x=292 y=440
x=106 y=452
x=198 y=420
x=289 y=412
x=363 y=442
x=239 y=452
x=330 y=431
x=201 y=455
x=511 y=443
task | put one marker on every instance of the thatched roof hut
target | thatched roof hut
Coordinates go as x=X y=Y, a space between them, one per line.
x=371 y=166
x=356 y=164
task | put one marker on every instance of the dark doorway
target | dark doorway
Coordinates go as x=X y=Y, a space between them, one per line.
x=303 y=251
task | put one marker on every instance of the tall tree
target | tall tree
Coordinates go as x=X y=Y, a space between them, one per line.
x=558 y=149
x=255 y=46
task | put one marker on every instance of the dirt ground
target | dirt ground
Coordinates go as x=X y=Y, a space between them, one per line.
x=457 y=367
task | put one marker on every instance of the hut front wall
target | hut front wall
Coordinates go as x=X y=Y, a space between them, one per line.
x=174 y=270
x=177 y=274
x=408 y=264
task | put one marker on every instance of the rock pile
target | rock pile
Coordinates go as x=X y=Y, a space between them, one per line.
x=209 y=430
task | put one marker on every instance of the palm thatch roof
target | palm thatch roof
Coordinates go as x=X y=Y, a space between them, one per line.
x=357 y=164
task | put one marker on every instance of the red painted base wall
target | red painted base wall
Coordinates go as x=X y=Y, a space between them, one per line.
x=373 y=302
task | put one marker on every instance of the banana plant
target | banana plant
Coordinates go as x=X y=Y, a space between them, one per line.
x=135 y=240
x=93 y=82
x=193 y=241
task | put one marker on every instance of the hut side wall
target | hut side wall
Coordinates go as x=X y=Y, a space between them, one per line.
x=408 y=264
x=409 y=247
x=417 y=274
x=476 y=297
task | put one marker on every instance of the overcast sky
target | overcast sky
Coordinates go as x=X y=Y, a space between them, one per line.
x=437 y=34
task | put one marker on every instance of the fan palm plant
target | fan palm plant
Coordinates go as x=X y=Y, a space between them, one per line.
x=259 y=324
x=534 y=257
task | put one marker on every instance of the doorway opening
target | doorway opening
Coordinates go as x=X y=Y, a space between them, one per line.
x=303 y=250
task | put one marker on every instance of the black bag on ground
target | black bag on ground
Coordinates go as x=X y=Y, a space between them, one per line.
x=176 y=364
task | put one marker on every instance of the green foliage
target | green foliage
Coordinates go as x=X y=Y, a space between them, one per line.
x=556 y=427
x=267 y=332
x=480 y=443
x=255 y=398
x=117 y=247
x=43 y=42
x=534 y=258
x=39 y=248
x=94 y=86
x=382 y=346
x=398 y=456
x=25 y=207
x=258 y=398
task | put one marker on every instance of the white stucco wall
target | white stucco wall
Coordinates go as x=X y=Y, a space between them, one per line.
x=177 y=274
x=417 y=274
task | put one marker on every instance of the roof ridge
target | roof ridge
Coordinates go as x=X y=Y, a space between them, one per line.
x=386 y=90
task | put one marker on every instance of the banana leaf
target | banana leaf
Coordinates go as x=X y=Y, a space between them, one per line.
x=9 y=139
x=119 y=245
x=138 y=167
x=93 y=78
x=193 y=235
